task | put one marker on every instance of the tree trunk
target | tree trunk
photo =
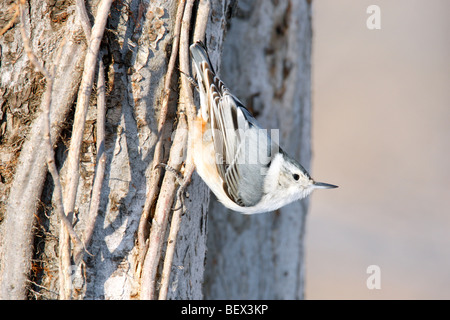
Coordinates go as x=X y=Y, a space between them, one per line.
x=265 y=62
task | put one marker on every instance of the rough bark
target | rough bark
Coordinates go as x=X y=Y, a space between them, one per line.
x=20 y=109
x=266 y=63
x=136 y=47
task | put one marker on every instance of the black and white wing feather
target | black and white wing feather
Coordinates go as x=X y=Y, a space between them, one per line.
x=243 y=150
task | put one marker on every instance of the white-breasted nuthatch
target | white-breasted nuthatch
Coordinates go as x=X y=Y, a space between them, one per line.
x=246 y=170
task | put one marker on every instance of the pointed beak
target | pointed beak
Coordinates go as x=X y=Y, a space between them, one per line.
x=321 y=185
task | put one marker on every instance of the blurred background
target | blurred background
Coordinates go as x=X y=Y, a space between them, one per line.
x=381 y=131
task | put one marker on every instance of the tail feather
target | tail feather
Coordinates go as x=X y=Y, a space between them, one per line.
x=205 y=77
x=199 y=55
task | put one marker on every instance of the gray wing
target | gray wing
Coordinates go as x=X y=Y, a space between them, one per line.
x=243 y=150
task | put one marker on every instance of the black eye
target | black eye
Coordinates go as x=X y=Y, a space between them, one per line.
x=295 y=176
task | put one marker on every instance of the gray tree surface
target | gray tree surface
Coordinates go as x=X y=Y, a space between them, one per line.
x=266 y=63
x=107 y=222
